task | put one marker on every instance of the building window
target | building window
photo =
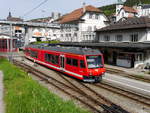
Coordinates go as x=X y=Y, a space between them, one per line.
x=75 y=34
x=106 y=38
x=90 y=16
x=95 y=28
x=119 y=38
x=89 y=28
x=69 y=35
x=66 y=35
x=122 y=14
x=134 y=38
x=96 y=16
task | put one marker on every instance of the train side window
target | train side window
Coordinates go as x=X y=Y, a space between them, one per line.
x=57 y=59
x=75 y=62
x=48 y=57
x=69 y=61
x=53 y=59
x=34 y=54
x=82 y=64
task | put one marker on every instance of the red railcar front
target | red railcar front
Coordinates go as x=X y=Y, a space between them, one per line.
x=95 y=68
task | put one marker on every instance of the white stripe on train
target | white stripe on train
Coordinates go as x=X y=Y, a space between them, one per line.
x=55 y=67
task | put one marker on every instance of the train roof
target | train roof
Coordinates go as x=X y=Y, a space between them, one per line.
x=73 y=50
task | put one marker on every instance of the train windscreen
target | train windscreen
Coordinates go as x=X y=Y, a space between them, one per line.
x=94 y=62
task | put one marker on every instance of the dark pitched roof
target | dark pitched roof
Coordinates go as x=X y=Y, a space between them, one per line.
x=14 y=19
x=129 y=23
x=145 y=6
x=46 y=19
x=77 y=14
x=132 y=45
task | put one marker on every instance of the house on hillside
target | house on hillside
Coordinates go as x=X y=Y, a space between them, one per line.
x=124 y=11
x=86 y=19
x=126 y=43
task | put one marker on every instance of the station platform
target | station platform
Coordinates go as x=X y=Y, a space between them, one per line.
x=130 y=71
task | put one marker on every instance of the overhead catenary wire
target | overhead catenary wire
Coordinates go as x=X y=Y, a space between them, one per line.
x=29 y=12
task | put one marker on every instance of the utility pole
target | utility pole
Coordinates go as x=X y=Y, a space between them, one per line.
x=11 y=43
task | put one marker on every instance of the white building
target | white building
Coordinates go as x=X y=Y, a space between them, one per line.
x=44 y=34
x=127 y=43
x=86 y=20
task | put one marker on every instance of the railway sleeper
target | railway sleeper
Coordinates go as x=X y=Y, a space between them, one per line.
x=113 y=109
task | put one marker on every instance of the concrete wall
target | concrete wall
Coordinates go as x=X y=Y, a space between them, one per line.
x=142 y=35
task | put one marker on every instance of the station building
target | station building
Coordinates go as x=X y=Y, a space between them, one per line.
x=5 y=43
x=128 y=42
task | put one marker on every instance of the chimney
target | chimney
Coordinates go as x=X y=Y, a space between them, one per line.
x=84 y=7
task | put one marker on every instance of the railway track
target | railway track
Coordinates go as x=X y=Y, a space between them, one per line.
x=87 y=96
x=138 y=98
x=131 y=95
x=125 y=74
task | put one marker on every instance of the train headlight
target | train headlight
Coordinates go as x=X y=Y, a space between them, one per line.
x=90 y=73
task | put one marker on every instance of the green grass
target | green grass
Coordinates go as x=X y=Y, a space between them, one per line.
x=24 y=95
x=51 y=42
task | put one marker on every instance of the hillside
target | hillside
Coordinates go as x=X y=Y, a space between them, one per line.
x=110 y=9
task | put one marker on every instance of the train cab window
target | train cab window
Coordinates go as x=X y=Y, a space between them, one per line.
x=75 y=62
x=69 y=61
x=34 y=54
x=94 y=62
x=82 y=64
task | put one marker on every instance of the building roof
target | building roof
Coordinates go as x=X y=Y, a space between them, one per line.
x=129 y=9
x=74 y=50
x=145 y=6
x=10 y=18
x=125 y=45
x=77 y=14
x=46 y=19
x=14 y=19
x=129 y=23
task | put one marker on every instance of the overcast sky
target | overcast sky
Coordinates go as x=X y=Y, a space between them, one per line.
x=20 y=7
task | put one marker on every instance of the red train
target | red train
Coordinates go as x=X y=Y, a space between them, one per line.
x=83 y=63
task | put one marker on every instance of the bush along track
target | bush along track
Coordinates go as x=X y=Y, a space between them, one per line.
x=24 y=95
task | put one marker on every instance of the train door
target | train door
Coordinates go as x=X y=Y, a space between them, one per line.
x=62 y=62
